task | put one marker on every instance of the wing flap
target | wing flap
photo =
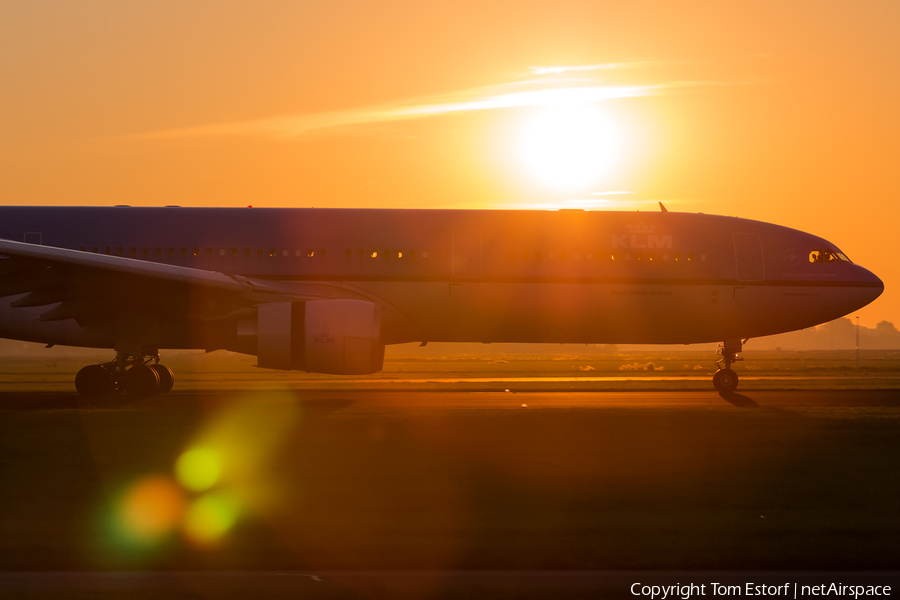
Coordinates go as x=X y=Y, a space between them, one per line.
x=39 y=298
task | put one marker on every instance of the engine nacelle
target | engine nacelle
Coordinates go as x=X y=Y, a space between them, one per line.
x=341 y=337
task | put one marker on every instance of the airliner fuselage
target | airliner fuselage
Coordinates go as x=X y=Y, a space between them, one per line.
x=436 y=275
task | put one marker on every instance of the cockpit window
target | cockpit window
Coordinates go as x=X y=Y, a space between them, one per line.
x=827 y=256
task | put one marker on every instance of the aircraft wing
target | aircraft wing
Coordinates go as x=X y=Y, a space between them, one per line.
x=90 y=287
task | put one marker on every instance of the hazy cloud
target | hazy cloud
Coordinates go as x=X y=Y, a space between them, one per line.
x=535 y=92
x=556 y=69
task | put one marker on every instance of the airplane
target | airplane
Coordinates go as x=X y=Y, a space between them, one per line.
x=324 y=290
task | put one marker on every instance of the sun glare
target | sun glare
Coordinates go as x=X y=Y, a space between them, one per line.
x=568 y=146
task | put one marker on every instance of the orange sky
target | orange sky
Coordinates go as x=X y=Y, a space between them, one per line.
x=783 y=111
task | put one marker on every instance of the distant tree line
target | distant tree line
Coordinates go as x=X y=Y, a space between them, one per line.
x=835 y=335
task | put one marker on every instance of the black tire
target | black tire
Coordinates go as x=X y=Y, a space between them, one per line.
x=141 y=381
x=725 y=380
x=166 y=378
x=93 y=381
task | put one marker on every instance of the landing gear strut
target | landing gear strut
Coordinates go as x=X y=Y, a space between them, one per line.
x=138 y=376
x=726 y=380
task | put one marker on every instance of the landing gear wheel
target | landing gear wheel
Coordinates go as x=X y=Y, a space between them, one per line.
x=166 y=378
x=140 y=381
x=725 y=380
x=93 y=381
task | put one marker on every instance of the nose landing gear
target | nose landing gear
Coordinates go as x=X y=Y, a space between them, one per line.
x=138 y=376
x=725 y=379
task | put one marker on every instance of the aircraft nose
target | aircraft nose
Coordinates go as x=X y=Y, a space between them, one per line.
x=873 y=283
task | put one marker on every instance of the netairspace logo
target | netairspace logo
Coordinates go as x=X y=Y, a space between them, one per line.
x=787 y=590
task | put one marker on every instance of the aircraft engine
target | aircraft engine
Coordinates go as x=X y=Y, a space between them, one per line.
x=340 y=337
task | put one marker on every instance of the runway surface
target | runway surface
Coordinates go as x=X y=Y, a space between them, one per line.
x=444 y=584
x=441 y=494
x=355 y=401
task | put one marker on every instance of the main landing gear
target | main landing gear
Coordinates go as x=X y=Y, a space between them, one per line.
x=725 y=379
x=138 y=377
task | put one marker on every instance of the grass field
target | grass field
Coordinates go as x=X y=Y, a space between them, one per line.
x=405 y=368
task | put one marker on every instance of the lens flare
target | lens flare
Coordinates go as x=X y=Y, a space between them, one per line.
x=241 y=439
x=150 y=509
x=199 y=469
x=209 y=517
x=218 y=479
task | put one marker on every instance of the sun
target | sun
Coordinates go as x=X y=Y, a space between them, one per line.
x=568 y=147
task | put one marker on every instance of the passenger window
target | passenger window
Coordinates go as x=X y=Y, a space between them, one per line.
x=285 y=252
x=107 y=250
x=349 y=252
x=221 y=251
x=95 y=250
x=362 y=253
x=145 y=251
x=677 y=256
x=171 y=251
x=209 y=251
x=184 y=251
x=247 y=252
x=158 y=251
x=310 y=253
x=120 y=251
x=374 y=254
x=424 y=253
x=412 y=253
x=272 y=252
x=260 y=252
x=690 y=256
x=196 y=251
x=234 y=251
x=132 y=251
